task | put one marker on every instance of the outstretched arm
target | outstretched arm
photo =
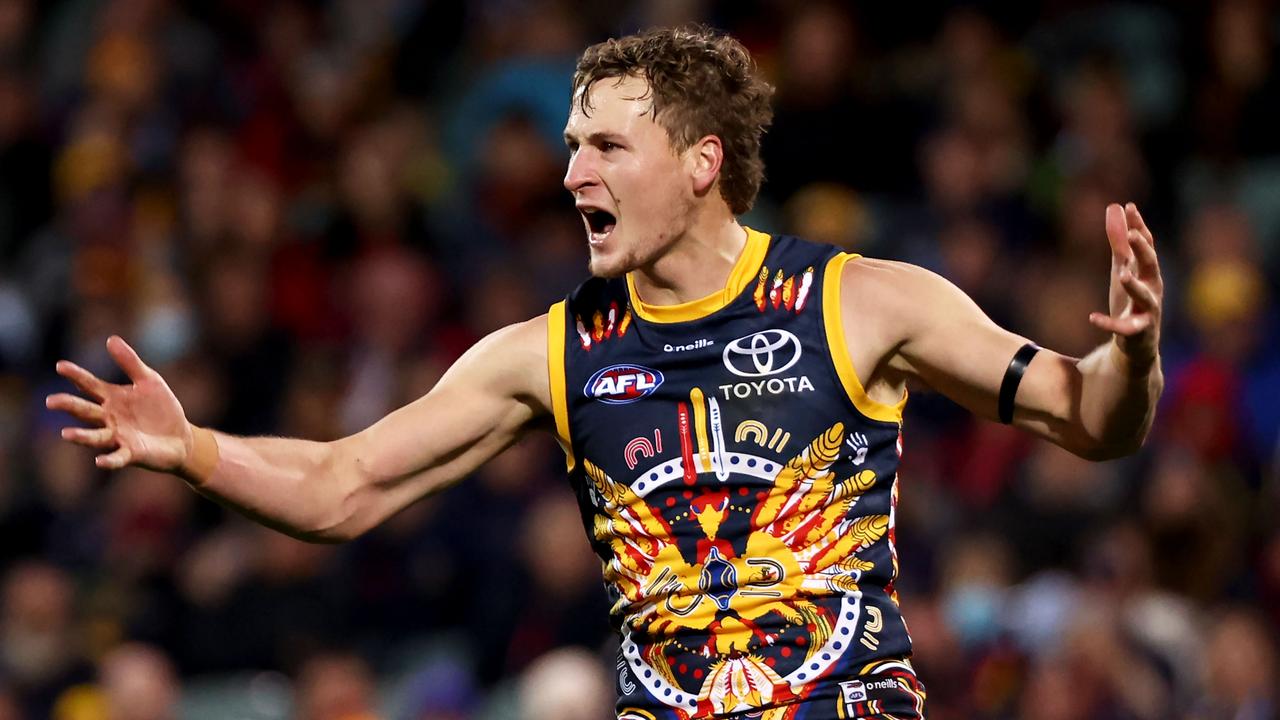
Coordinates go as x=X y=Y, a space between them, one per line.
x=1099 y=407
x=322 y=491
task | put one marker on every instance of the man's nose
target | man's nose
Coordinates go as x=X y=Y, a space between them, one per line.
x=580 y=173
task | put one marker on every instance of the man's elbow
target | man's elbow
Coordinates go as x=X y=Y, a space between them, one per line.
x=346 y=525
x=345 y=515
x=330 y=535
x=1098 y=450
x=319 y=531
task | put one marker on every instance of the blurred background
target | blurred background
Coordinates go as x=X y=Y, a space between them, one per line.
x=302 y=211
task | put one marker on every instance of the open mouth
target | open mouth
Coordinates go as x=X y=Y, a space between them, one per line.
x=599 y=223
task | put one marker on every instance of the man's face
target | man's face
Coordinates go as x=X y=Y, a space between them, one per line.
x=634 y=192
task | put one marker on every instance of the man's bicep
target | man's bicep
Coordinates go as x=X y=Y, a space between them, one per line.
x=952 y=346
x=494 y=393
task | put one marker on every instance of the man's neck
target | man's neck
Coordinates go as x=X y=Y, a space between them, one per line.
x=697 y=264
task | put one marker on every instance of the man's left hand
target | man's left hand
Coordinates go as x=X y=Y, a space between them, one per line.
x=1137 y=290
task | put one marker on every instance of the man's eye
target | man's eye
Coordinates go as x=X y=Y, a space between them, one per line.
x=607 y=146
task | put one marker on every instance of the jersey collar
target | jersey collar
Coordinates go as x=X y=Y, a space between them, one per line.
x=743 y=272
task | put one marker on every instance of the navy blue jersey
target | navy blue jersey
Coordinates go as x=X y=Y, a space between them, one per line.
x=737 y=483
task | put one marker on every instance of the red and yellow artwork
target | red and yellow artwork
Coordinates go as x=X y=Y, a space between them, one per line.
x=715 y=626
x=785 y=292
x=604 y=325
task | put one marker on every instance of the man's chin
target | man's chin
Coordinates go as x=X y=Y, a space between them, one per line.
x=607 y=267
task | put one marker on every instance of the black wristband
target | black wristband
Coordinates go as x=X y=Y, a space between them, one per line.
x=1013 y=378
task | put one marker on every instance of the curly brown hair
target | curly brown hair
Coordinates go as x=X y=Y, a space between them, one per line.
x=701 y=82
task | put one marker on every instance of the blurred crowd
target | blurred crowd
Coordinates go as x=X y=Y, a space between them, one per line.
x=302 y=211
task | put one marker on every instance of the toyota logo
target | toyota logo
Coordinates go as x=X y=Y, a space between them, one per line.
x=767 y=352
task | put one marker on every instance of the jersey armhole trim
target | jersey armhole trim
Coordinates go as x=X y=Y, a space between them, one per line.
x=839 y=347
x=555 y=371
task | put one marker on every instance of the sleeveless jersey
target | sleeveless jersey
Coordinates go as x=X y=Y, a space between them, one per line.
x=737 y=483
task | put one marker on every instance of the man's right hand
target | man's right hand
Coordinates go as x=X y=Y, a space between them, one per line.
x=140 y=423
x=323 y=491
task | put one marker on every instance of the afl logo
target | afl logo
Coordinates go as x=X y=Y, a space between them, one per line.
x=622 y=384
x=761 y=354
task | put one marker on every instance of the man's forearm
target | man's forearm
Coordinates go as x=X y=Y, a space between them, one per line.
x=1118 y=400
x=287 y=484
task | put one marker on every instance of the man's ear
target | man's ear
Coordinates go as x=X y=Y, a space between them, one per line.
x=705 y=158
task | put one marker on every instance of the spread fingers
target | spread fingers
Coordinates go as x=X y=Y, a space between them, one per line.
x=99 y=438
x=76 y=406
x=88 y=383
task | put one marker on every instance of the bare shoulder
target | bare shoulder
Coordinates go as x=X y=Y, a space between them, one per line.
x=887 y=280
x=888 y=309
x=527 y=338
x=512 y=360
x=906 y=297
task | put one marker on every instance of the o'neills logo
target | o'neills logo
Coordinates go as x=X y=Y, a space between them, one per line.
x=695 y=345
x=622 y=384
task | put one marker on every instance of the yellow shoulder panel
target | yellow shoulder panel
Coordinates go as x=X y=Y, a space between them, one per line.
x=555 y=371
x=838 y=346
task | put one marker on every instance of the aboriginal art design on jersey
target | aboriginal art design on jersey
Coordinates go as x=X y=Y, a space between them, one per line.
x=737 y=484
x=603 y=325
x=790 y=293
x=716 y=605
